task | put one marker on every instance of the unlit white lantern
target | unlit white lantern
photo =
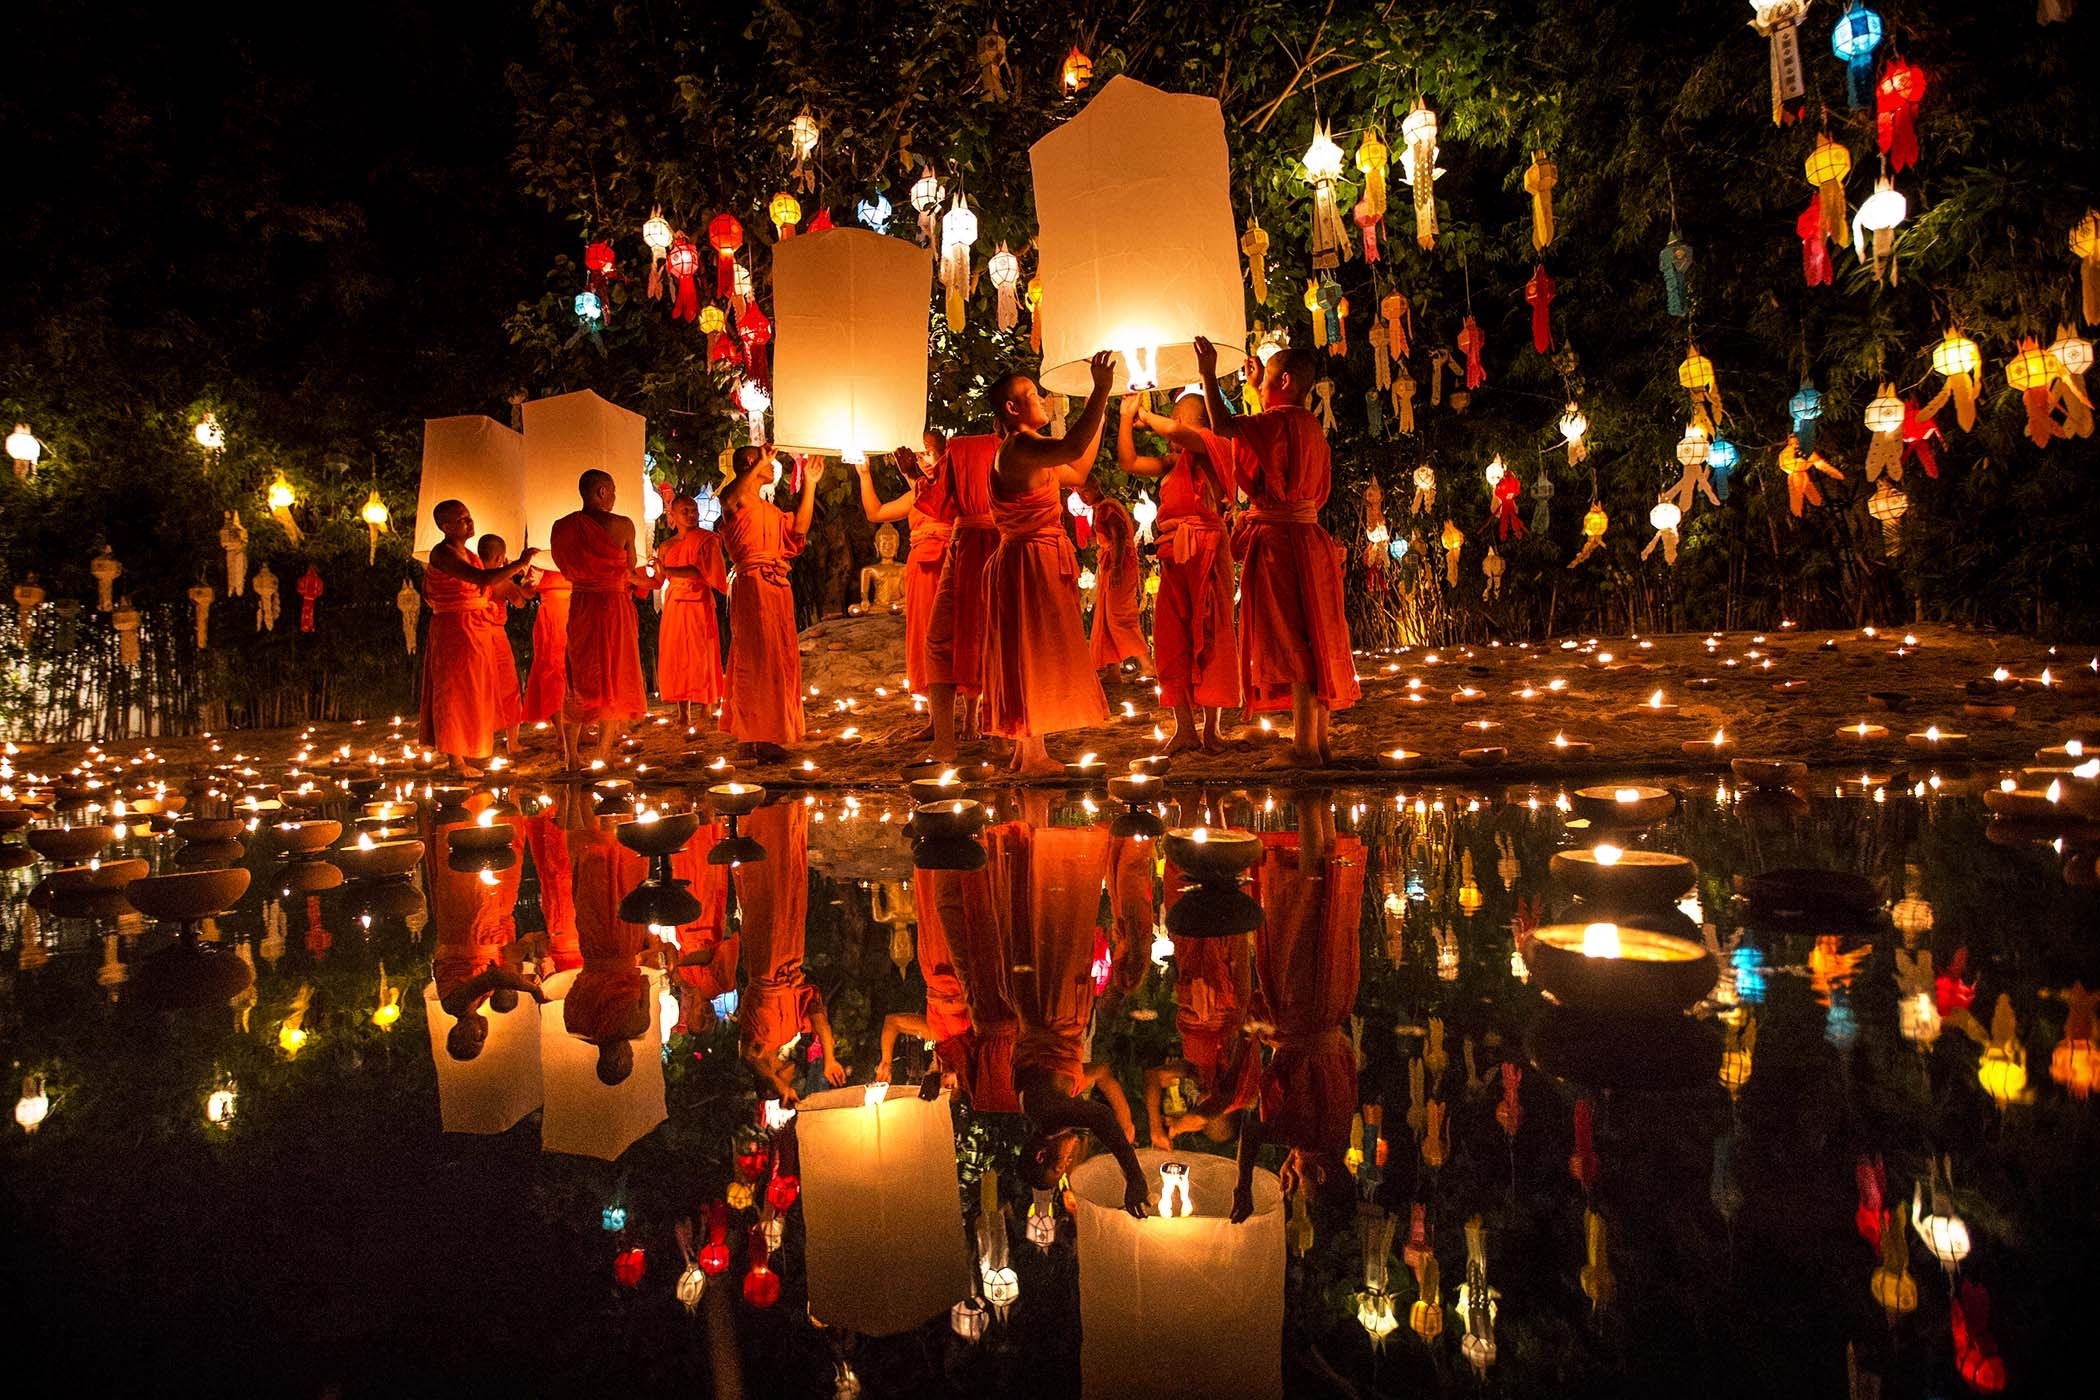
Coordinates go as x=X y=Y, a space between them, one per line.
x=881 y=1211
x=566 y=436
x=478 y=461
x=1191 y=1306
x=849 y=336
x=1118 y=276
x=584 y=1115
x=492 y=1091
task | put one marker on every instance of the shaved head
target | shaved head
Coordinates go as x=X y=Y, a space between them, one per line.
x=447 y=510
x=1296 y=364
x=591 y=481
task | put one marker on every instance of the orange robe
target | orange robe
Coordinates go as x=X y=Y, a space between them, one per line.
x=955 y=630
x=604 y=650
x=510 y=698
x=764 y=700
x=1119 y=584
x=930 y=534
x=1308 y=957
x=549 y=845
x=772 y=898
x=971 y=1014
x=468 y=670
x=688 y=652
x=710 y=885
x=1292 y=626
x=1038 y=672
x=475 y=921
x=1130 y=904
x=1193 y=646
x=1046 y=890
x=609 y=997
x=547 y=679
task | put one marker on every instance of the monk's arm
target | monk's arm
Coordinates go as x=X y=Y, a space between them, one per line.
x=1221 y=420
x=1054 y=1111
x=893 y=1025
x=1250 y=1152
x=821 y=1023
x=1183 y=436
x=1070 y=457
x=1127 y=459
x=1103 y=1077
x=446 y=562
x=806 y=508
x=877 y=510
x=1155 y=1088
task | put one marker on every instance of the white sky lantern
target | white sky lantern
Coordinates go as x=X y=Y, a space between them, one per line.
x=23 y=447
x=884 y=1248
x=849 y=336
x=481 y=462
x=1116 y=275
x=1191 y=1306
x=584 y=1115
x=492 y=1091
x=566 y=436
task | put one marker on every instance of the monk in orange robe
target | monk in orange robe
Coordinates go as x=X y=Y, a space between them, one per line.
x=779 y=1005
x=505 y=594
x=476 y=922
x=467 y=669
x=1046 y=891
x=969 y=1010
x=1119 y=583
x=1193 y=645
x=594 y=549
x=764 y=702
x=1294 y=637
x=929 y=509
x=1038 y=671
x=688 y=651
x=955 y=628
x=707 y=948
x=608 y=1003
x=547 y=839
x=547 y=678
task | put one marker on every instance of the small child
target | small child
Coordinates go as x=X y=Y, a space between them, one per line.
x=494 y=553
x=1119 y=579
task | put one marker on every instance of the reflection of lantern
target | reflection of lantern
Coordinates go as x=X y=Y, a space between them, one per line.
x=34 y=1106
x=629 y=1265
x=1374 y=1313
x=1191 y=1306
x=969 y=1318
x=1738 y=1054
x=761 y=1282
x=849 y=376
x=1891 y=1284
x=1957 y=358
x=1918 y=1019
x=1945 y=1234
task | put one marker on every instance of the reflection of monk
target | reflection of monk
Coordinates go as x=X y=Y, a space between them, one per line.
x=1213 y=987
x=1306 y=955
x=968 y=1017
x=1046 y=890
x=707 y=951
x=608 y=1003
x=779 y=1005
x=546 y=838
x=475 y=923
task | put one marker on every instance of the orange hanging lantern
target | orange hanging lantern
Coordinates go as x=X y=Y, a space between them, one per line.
x=1078 y=72
x=725 y=235
x=2075 y=1063
x=1957 y=358
x=1426 y=1317
x=2085 y=246
x=2031 y=371
x=1800 y=469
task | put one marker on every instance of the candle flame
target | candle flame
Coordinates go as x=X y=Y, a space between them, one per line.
x=875 y=1094
x=1200 y=835
x=2055 y=791
x=364 y=840
x=1626 y=795
x=1607 y=855
x=487 y=818
x=1655 y=701
x=1600 y=941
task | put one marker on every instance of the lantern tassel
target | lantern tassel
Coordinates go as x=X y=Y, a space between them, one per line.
x=1816 y=270
x=1472 y=340
x=1539 y=292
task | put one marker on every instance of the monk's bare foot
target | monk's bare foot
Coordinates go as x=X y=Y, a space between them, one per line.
x=1181 y=743
x=1213 y=744
x=1292 y=758
x=924 y=736
x=768 y=753
x=1039 y=768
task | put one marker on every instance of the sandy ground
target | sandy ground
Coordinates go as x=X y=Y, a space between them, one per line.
x=1779 y=696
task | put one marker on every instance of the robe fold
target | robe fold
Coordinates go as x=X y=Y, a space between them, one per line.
x=1308 y=957
x=688 y=651
x=604 y=649
x=1038 y=670
x=1046 y=892
x=762 y=703
x=930 y=536
x=955 y=628
x=1118 y=634
x=470 y=680
x=547 y=679
x=772 y=898
x=1194 y=648
x=609 y=997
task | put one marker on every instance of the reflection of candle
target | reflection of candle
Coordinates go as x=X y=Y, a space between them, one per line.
x=1600 y=941
x=1607 y=854
x=364 y=840
x=1173 y=1183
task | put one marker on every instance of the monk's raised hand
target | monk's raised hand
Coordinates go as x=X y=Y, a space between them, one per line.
x=1103 y=368
x=904 y=459
x=1131 y=403
x=1206 y=357
x=527 y=556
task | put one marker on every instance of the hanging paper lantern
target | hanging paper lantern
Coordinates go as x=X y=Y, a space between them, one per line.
x=1034 y=298
x=1721 y=457
x=802 y=145
x=1888 y=505
x=23 y=447
x=1826 y=167
x=210 y=436
x=752 y=398
x=1594 y=523
x=1975 y=1349
x=1372 y=158
x=629 y=1265
x=1816 y=270
x=375 y=515
x=1255 y=244
x=1005 y=271
x=1884 y=421
x=1675 y=263
x=1800 y=464
x=1896 y=100
x=1884 y=411
x=1539 y=293
x=1694 y=447
x=1957 y=358
x=958 y=233
x=1539 y=181
x=785 y=211
x=590 y=318
x=1471 y=341
x=1880 y=214
x=1454 y=542
x=1777 y=20
x=753 y=332
x=1574 y=427
x=874 y=213
x=1078 y=72
x=1367 y=224
x=309 y=589
x=1419 y=168
x=2085 y=246
x=1857 y=35
x=1696 y=374
x=656 y=235
x=1664 y=517
x=712 y=324
x=927 y=192
x=2031 y=372
x=1323 y=166
x=1805 y=407
x=761 y=1282
x=725 y=235
x=683 y=263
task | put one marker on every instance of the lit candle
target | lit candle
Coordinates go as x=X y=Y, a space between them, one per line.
x=1600 y=941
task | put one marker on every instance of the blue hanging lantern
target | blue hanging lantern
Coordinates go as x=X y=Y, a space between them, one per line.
x=874 y=213
x=1857 y=35
x=590 y=318
x=613 y=1218
x=1749 y=974
x=1721 y=457
x=1676 y=265
x=1806 y=406
x=707 y=506
x=1397 y=547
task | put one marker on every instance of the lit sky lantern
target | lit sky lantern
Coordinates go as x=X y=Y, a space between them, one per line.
x=566 y=436
x=23 y=447
x=499 y=1086
x=883 y=1222
x=849 y=365
x=210 y=436
x=584 y=1115
x=1188 y=1306
x=1116 y=274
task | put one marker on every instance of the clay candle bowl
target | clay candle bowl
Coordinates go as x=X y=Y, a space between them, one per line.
x=1086 y=768
x=736 y=799
x=14 y=818
x=70 y=845
x=1624 y=806
x=2071 y=751
x=483 y=834
x=378 y=860
x=308 y=838
x=1935 y=740
x=1606 y=876
x=1399 y=760
x=391 y=812
x=78 y=879
x=1152 y=764
x=1768 y=772
x=1713 y=750
x=2027 y=803
x=309 y=877
x=1213 y=856
x=1863 y=732
x=1566 y=749
x=937 y=787
x=188 y=897
x=1618 y=968
x=1486 y=757
x=949 y=818
x=1136 y=789
x=1658 y=708
x=651 y=834
x=209 y=830
x=450 y=795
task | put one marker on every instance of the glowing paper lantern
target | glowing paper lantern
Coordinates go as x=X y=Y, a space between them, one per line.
x=1827 y=166
x=849 y=371
x=1881 y=214
x=1077 y=73
x=1418 y=167
x=656 y=236
x=481 y=463
x=2085 y=246
x=885 y=1244
x=1957 y=358
x=1777 y=20
x=1005 y=271
x=1857 y=35
x=874 y=213
x=927 y=192
x=1888 y=505
x=785 y=211
x=725 y=235
x=1323 y=167
x=1120 y=276
x=565 y=436
x=584 y=1115
x=210 y=436
x=2030 y=371
x=958 y=234
x=492 y=1091
x=1188 y=1307
x=23 y=447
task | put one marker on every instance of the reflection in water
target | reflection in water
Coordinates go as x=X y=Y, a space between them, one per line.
x=1632 y=1197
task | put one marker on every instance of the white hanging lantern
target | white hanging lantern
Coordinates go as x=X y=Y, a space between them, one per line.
x=210 y=436
x=849 y=338
x=1323 y=167
x=1880 y=214
x=1145 y=511
x=34 y=1106
x=1005 y=271
x=1665 y=516
x=23 y=447
x=751 y=396
x=1419 y=168
x=927 y=192
x=958 y=235
x=1694 y=447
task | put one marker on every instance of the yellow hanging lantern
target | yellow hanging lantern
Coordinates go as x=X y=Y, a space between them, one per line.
x=1319 y=315
x=387 y=1010
x=1539 y=181
x=375 y=515
x=1372 y=157
x=1738 y=1056
x=1255 y=244
x=1827 y=166
x=1594 y=523
x=785 y=212
x=2003 y=1069
x=1454 y=541
x=1891 y=1284
x=2032 y=371
x=2085 y=246
x=1426 y=1316
x=1696 y=374
x=281 y=499
x=1957 y=358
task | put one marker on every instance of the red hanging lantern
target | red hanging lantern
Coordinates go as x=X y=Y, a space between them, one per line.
x=753 y=1153
x=683 y=263
x=1583 y=1164
x=1896 y=100
x=1506 y=522
x=783 y=1191
x=761 y=1283
x=1918 y=433
x=1815 y=247
x=629 y=1265
x=714 y=1255
x=1949 y=993
x=310 y=589
x=725 y=235
x=820 y=223
x=1539 y=292
x=598 y=264
x=1975 y=1349
x=1872 y=1180
x=754 y=330
x=1471 y=341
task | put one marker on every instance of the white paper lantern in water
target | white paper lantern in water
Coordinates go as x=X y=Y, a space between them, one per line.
x=499 y=1086
x=1191 y=1306
x=1118 y=276
x=849 y=335
x=583 y=1114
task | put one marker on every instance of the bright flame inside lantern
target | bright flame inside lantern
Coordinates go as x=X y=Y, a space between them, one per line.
x=1174 y=1190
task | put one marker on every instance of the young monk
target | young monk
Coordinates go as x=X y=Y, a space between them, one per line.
x=594 y=549
x=763 y=706
x=504 y=594
x=707 y=947
x=467 y=669
x=1294 y=638
x=1119 y=582
x=779 y=1005
x=955 y=631
x=930 y=511
x=547 y=678
x=608 y=1003
x=1038 y=671
x=475 y=921
x=688 y=653
x=1193 y=645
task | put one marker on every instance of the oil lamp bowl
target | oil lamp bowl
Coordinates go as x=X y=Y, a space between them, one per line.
x=385 y=860
x=1768 y=772
x=70 y=845
x=307 y=838
x=188 y=896
x=1638 y=879
x=669 y=832
x=1653 y=972
x=1220 y=858
x=1602 y=805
